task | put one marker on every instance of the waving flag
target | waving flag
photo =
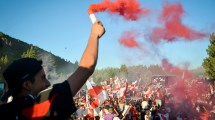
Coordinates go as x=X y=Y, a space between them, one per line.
x=97 y=92
x=148 y=92
x=122 y=91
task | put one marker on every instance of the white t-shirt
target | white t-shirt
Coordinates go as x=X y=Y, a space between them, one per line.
x=144 y=104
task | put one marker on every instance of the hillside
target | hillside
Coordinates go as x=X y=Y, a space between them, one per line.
x=11 y=49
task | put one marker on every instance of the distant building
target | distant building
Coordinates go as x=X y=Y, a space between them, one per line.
x=164 y=80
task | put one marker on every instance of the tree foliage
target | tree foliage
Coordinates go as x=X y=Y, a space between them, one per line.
x=209 y=62
x=104 y=74
x=132 y=73
x=4 y=60
x=30 y=53
x=123 y=71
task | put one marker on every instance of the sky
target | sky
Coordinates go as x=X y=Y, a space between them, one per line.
x=146 y=33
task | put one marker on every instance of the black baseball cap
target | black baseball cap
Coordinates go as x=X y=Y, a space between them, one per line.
x=19 y=71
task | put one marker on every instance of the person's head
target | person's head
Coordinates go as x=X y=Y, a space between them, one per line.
x=115 y=103
x=25 y=76
x=111 y=109
x=154 y=107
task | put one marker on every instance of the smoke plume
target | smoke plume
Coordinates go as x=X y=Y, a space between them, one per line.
x=129 y=9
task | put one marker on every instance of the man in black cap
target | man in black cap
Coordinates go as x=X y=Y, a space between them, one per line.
x=27 y=84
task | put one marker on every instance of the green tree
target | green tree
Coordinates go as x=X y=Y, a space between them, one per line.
x=1 y=34
x=104 y=74
x=31 y=53
x=123 y=71
x=76 y=63
x=110 y=72
x=209 y=62
x=4 y=60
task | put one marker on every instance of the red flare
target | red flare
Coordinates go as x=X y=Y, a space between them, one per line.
x=91 y=13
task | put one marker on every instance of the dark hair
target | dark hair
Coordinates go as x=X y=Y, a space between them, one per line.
x=19 y=71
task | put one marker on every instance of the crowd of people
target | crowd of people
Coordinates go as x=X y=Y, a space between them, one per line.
x=154 y=102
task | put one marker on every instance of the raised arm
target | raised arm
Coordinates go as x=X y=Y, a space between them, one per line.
x=88 y=60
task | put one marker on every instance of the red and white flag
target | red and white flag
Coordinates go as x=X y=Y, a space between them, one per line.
x=148 y=92
x=99 y=94
x=122 y=91
x=107 y=87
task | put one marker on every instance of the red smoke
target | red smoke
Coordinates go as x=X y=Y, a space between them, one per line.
x=172 y=27
x=129 y=9
x=128 y=39
x=169 y=68
x=187 y=90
